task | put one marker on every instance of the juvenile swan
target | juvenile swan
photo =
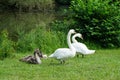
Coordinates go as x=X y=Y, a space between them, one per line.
x=33 y=59
x=80 y=47
x=64 y=53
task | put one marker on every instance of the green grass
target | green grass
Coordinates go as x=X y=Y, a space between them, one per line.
x=103 y=65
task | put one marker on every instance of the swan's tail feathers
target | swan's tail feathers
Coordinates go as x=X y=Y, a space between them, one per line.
x=51 y=55
x=25 y=59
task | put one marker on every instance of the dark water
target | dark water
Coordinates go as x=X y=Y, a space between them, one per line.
x=23 y=22
x=16 y=22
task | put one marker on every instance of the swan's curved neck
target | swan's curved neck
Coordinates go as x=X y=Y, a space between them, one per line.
x=73 y=39
x=37 y=58
x=69 y=42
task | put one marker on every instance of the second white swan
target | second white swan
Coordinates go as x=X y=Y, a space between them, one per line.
x=80 y=47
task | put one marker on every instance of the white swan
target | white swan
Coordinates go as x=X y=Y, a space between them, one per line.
x=33 y=59
x=80 y=47
x=63 y=53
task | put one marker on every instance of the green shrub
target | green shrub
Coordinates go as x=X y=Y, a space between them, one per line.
x=6 y=45
x=59 y=25
x=46 y=40
x=97 y=20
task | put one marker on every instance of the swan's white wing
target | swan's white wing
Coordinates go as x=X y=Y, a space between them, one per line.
x=82 y=48
x=62 y=53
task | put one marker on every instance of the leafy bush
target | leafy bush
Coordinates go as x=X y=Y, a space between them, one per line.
x=46 y=40
x=97 y=20
x=6 y=45
x=59 y=25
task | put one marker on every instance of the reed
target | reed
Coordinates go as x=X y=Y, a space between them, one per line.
x=41 y=38
x=6 y=45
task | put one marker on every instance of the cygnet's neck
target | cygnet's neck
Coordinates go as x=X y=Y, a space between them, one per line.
x=37 y=58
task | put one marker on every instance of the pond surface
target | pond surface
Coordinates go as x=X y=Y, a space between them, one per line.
x=24 y=22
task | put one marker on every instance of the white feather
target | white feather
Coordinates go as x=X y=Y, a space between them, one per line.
x=81 y=48
x=64 y=53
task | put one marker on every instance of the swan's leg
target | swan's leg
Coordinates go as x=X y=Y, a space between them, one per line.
x=62 y=61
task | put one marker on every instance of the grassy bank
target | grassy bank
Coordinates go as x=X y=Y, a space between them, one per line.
x=103 y=65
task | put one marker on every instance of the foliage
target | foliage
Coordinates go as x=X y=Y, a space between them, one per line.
x=59 y=25
x=41 y=38
x=6 y=45
x=23 y=22
x=97 y=20
x=30 y=31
